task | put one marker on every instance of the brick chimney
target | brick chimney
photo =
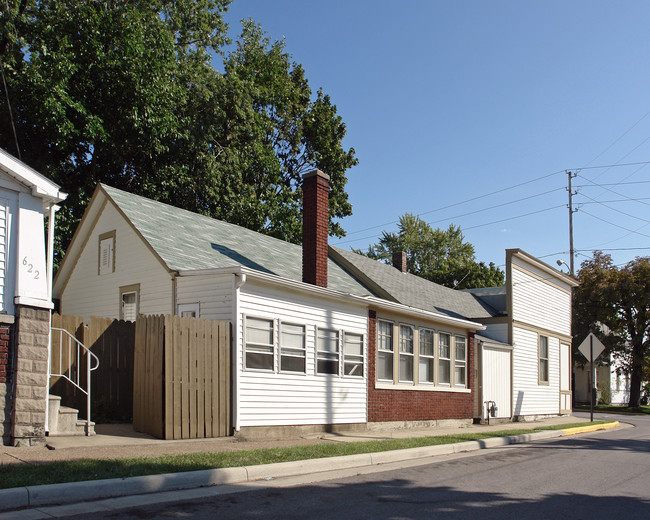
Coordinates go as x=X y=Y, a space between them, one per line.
x=315 y=227
x=399 y=260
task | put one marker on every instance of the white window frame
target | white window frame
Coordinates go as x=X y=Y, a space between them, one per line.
x=460 y=363
x=387 y=353
x=543 y=361
x=406 y=351
x=441 y=359
x=353 y=359
x=292 y=352
x=325 y=355
x=106 y=251
x=183 y=308
x=130 y=289
x=262 y=348
x=429 y=359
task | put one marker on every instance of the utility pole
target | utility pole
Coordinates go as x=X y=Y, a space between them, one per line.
x=571 y=211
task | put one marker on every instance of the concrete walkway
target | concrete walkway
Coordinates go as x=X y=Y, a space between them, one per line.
x=119 y=441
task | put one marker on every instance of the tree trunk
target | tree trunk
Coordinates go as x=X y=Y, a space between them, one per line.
x=636 y=376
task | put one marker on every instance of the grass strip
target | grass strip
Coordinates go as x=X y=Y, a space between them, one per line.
x=18 y=475
x=645 y=409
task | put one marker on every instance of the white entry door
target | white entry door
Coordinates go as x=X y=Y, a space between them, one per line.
x=497 y=382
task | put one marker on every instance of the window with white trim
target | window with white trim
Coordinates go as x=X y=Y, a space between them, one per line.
x=444 y=358
x=106 y=258
x=292 y=348
x=352 y=354
x=259 y=351
x=384 y=350
x=327 y=351
x=427 y=358
x=406 y=353
x=129 y=302
x=460 y=361
x=543 y=359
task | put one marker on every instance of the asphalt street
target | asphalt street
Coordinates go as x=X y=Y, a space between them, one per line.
x=591 y=476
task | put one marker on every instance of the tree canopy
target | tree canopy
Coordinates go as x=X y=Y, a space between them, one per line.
x=441 y=256
x=125 y=93
x=614 y=303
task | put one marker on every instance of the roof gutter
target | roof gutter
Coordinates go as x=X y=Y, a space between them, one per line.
x=333 y=294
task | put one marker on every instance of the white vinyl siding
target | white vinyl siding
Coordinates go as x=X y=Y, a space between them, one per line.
x=88 y=294
x=268 y=398
x=531 y=398
x=539 y=303
x=3 y=251
x=212 y=293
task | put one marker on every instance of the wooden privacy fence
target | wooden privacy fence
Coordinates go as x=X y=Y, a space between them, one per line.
x=182 y=377
x=112 y=341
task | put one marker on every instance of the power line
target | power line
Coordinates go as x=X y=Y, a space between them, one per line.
x=616 y=210
x=615 y=225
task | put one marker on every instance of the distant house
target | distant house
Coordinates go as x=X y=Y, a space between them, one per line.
x=610 y=374
x=26 y=199
x=322 y=336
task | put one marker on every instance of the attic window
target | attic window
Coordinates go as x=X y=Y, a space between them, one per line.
x=106 y=255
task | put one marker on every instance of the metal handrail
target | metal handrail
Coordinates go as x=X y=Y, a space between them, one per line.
x=73 y=368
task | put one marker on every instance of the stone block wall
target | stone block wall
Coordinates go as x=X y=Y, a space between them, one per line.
x=30 y=396
x=5 y=379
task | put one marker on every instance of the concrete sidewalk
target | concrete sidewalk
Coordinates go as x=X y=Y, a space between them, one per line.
x=121 y=442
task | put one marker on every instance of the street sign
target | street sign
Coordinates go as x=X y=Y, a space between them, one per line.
x=589 y=341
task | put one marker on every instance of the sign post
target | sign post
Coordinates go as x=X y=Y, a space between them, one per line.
x=591 y=348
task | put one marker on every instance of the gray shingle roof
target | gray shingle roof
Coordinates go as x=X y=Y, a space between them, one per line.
x=412 y=290
x=188 y=241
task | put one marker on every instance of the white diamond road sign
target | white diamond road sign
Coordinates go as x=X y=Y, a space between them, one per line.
x=584 y=347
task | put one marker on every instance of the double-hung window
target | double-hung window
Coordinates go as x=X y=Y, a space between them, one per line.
x=460 y=361
x=384 y=350
x=292 y=347
x=543 y=360
x=426 y=360
x=327 y=351
x=444 y=358
x=352 y=354
x=259 y=343
x=129 y=302
x=406 y=353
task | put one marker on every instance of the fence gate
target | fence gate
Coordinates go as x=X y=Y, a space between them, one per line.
x=182 y=377
x=112 y=383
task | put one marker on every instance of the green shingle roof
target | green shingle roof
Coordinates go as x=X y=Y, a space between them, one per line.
x=187 y=241
x=414 y=291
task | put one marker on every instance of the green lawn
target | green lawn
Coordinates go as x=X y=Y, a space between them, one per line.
x=16 y=475
x=614 y=409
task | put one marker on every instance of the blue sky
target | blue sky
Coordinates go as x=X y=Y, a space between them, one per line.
x=485 y=102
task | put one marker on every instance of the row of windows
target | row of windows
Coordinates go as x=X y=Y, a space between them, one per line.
x=337 y=352
x=406 y=354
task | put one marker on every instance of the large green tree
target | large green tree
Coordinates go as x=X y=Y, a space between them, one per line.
x=125 y=93
x=442 y=256
x=614 y=303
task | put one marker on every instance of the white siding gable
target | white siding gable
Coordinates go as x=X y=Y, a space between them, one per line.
x=539 y=301
x=91 y=292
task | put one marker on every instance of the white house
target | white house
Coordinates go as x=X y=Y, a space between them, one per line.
x=527 y=344
x=26 y=199
x=322 y=336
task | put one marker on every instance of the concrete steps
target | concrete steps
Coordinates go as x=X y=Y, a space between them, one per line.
x=63 y=420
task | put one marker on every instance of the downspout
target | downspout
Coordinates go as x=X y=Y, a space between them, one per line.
x=238 y=281
x=50 y=271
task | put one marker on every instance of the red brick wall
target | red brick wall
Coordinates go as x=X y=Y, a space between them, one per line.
x=405 y=405
x=315 y=227
x=5 y=369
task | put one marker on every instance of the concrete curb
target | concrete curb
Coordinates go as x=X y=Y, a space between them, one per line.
x=72 y=492
x=593 y=428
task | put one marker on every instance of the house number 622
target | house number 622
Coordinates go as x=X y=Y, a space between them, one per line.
x=30 y=268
